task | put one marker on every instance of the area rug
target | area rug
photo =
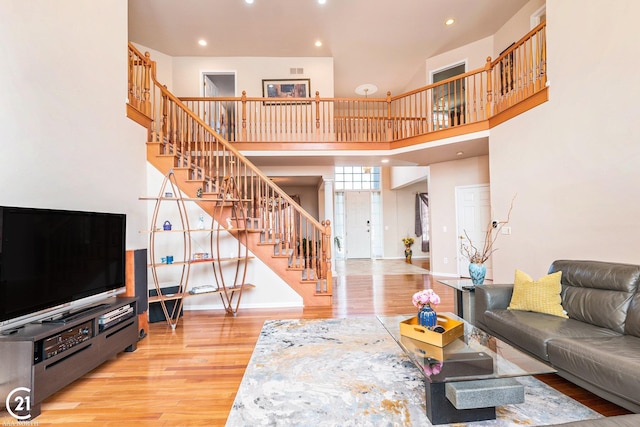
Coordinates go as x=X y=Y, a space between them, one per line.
x=350 y=372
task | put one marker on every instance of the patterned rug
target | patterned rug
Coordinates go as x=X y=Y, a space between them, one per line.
x=350 y=372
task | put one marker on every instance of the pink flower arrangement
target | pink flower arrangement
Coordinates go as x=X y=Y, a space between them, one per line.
x=432 y=367
x=425 y=297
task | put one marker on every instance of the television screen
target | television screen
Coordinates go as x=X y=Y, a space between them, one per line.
x=52 y=257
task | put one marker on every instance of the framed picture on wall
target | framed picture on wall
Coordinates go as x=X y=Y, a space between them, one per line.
x=283 y=89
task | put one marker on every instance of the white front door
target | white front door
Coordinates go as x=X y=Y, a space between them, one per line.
x=357 y=206
x=473 y=210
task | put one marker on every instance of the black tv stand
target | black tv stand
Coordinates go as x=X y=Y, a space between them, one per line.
x=11 y=331
x=76 y=314
x=45 y=357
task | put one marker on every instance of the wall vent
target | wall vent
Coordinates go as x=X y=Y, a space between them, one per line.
x=296 y=70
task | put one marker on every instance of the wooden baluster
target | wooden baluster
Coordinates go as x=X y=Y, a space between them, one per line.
x=391 y=118
x=530 y=72
x=543 y=59
x=164 y=121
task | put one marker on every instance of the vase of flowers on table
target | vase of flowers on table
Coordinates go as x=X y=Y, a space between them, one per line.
x=408 y=242
x=426 y=301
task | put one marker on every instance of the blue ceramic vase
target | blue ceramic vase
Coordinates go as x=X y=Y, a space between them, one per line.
x=427 y=317
x=477 y=273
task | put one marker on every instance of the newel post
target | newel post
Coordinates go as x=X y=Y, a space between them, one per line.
x=489 y=105
x=146 y=85
x=326 y=255
x=244 y=115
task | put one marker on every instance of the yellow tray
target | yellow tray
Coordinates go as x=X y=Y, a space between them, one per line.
x=452 y=330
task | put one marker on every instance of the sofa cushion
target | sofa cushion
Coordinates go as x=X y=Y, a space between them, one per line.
x=610 y=362
x=531 y=331
x=632 y=325
x=541 y=296
x=597 y=292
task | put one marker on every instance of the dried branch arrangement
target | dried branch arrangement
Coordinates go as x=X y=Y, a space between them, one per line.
x=473 y=252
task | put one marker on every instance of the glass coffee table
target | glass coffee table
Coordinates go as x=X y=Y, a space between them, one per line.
x=466 y=379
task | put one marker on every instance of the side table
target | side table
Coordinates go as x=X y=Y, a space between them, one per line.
x=464 y=301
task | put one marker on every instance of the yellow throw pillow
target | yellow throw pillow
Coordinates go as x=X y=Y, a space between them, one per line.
x=541 y=296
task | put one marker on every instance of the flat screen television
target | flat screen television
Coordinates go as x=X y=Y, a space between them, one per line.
x=50 y=259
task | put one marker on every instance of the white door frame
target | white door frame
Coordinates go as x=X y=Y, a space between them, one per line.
x=356 y=233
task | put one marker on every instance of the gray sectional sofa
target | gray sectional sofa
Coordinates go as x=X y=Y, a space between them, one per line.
x=597 y=346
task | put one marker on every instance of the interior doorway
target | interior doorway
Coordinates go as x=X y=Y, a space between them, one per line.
x=449 y=98
x=473 y=212
x=219 y=114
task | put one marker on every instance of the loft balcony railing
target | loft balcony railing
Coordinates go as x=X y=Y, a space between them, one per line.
x=473 y=98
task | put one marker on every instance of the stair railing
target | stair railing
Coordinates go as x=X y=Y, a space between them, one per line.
x=210 y=159
x=466 y=99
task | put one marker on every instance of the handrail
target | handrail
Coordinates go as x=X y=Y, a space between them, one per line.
x=210 y=159
x=469 y=98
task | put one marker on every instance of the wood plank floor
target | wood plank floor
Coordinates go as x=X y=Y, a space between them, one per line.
x=190 y=376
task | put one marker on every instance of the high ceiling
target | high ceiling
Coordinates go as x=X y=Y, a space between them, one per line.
x=379 y=42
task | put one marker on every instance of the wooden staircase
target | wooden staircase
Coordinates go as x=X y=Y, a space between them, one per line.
x=278 y=227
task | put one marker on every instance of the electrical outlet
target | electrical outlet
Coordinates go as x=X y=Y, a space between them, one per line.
x=445 y=261
x=506 y=230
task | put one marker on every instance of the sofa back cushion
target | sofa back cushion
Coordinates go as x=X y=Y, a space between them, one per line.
x=632 y=326
x=597 y=292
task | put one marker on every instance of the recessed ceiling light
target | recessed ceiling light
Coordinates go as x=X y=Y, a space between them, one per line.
x=202 y=42
x=449 y=21
x=248 y=1
x=384 y=161
x=322 y=1
x=318 y=43
x=459 y=153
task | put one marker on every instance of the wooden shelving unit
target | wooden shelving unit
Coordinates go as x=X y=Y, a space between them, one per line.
x=225 y=208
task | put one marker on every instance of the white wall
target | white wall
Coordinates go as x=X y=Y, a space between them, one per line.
x=516 y=28
x=474 y=54
x=443 y=180
x=574 y=161
x=66 y=142
x=405 y=175
x=250 y=71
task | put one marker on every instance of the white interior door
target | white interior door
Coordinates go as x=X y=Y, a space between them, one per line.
x=473 y=210
x=358 y=224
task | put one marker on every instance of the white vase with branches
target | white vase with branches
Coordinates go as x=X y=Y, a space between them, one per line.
x=478 y=254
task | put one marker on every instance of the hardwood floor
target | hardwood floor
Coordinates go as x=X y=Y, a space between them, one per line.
x=190 y=376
